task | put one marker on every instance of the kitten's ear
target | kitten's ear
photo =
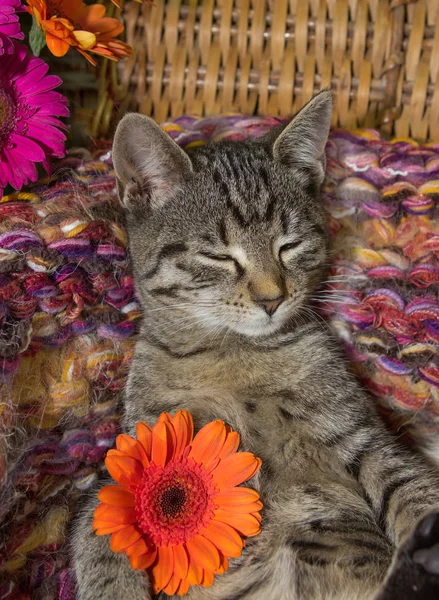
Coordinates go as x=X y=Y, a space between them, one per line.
x=301 y=144
x=149 y=165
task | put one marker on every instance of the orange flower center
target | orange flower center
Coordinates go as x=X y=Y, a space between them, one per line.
x=174 y=503
x=53 y=9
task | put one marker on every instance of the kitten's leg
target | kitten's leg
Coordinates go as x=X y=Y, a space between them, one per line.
x=415 y=570
x=102 y=574
x=398 y=483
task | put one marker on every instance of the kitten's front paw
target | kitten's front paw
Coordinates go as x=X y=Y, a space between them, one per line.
x=425 y=543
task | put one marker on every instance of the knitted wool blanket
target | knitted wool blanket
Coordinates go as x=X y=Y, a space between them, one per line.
x=68 y=318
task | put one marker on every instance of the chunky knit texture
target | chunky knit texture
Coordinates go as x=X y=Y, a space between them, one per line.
x=68 y=318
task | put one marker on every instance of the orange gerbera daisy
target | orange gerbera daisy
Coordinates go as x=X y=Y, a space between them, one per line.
x=177 y=511
x=70 y=23
x=119 y=5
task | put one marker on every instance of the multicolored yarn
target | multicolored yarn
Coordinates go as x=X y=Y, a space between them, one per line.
x=68 y=316
x=383 y=202
x=67 y=319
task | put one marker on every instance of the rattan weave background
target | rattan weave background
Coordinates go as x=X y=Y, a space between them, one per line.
x=270 y=56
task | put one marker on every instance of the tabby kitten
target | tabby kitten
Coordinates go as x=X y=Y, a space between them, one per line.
x=229 y=243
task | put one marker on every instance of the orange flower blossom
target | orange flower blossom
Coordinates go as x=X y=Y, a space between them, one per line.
x=177 y=511
x=118 y=4
x=70 y=23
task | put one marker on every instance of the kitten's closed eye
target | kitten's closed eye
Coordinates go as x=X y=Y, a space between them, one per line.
x=287 y=251
x=226 y=259
x=221 y=257
x=290 y=246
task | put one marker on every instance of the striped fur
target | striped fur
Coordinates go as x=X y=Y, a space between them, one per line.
x=237 y=229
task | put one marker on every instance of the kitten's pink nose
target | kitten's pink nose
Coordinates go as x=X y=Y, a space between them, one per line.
x=270 y=305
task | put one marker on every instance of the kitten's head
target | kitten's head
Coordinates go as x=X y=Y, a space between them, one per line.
x=231 y=234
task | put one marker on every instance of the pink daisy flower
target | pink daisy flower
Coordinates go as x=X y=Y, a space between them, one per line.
x=9 y=24
x=29 y=130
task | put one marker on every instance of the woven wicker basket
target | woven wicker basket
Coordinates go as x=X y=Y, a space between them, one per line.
x=269 y=57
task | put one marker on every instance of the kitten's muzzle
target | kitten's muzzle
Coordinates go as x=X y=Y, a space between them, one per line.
x=270 y=305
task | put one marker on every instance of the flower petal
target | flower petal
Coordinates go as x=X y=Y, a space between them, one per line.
x=44 y=84
x=132 y=448
x=32 y=77
x=49 y=103
x=231 y=444
x=7 y=173
x=27 y=148
x=56 y=46
x=246 y=524
x=236 y=469
x=225 y=537
x=124 y=538
x=208 y=578
x=102 y=528
x=162 y=443
x=163 y=568
x=184 y=429
x=43 y=133
x=183 y=587
x=85 y=39
x=143 y=561
x=92 y=13
x=125 y=470
x=115 y=514
x=53 y=122
x=195 y=572
x=58 y=26
x=203 y=552
x=173 y=585
x=164 y=417
x=181 y=561
x=138 y=548
x=236 y=496
x=144 y=436
x=172 y=444
x=223 y=566
x=254 y=507
x=20 y=171
x=106 y=29
x=208 y=442
x=87 y=56
x=116 y=496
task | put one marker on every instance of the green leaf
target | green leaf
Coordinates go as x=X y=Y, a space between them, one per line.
x=37 y=39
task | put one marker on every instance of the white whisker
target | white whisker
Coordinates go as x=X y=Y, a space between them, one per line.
x=332 y=301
